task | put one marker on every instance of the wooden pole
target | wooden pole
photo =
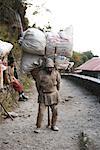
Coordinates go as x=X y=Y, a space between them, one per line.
x=6 y=111
x=48 y=116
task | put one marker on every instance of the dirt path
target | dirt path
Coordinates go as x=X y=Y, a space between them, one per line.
x=78 y=111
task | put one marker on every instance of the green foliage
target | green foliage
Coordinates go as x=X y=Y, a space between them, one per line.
x=27 y=82
x=80 y=58
x=89 y=54
x=84 y=58
x=76 y=58
x=4 y=33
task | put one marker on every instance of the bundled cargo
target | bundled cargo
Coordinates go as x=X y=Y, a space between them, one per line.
x=61 y=62
x=5 y=48
x=63 y=41
x=30 y=62
x=33 y=41
x=2 y=68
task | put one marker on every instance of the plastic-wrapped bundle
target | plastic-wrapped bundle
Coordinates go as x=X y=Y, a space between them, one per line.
x=29 y=62
x=33 y=41
x=5 y=48
x=63 y=41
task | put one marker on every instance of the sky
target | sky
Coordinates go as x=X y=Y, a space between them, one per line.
x=83 y=15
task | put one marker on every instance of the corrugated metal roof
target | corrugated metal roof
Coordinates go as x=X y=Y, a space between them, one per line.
x=91 y=65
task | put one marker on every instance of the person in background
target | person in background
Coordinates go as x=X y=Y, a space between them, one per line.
x=48 y=84
x=11 y=76
x=15 y=83
x=11 y=60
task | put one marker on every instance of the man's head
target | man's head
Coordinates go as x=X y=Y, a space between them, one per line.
x=49 y=65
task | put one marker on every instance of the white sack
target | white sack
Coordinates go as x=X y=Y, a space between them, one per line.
x=33 y=41
x=29 y=62
x=63 y=41
x=5 y=48
x=61 y=62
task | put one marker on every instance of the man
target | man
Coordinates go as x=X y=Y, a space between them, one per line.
x=48 y=84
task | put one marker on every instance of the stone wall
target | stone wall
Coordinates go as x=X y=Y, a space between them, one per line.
x=90 y=83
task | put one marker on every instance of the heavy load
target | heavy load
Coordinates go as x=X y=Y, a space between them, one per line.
x=5 y=48
x=30 y=62
x=33 y=41
x=33 y=45
x=63 y=41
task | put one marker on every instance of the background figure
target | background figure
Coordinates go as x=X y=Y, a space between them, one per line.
x=13 y=78
x=48 y=83
x=11 y=60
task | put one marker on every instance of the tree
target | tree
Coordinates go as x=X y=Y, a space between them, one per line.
x=80 y=58
x=76 y=58
x=84 y=58
x=89 y=54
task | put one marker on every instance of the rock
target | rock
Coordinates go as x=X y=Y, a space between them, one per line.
x=29 y=115
x=79 y=110
x=85 y=97
x=67 y=100
x=76 y=102
x=5 y=142
x=70 y=97
x=90 y=119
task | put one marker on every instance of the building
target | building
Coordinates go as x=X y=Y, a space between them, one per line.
x=90 y=68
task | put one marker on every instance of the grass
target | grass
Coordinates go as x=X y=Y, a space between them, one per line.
x=85 y=142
